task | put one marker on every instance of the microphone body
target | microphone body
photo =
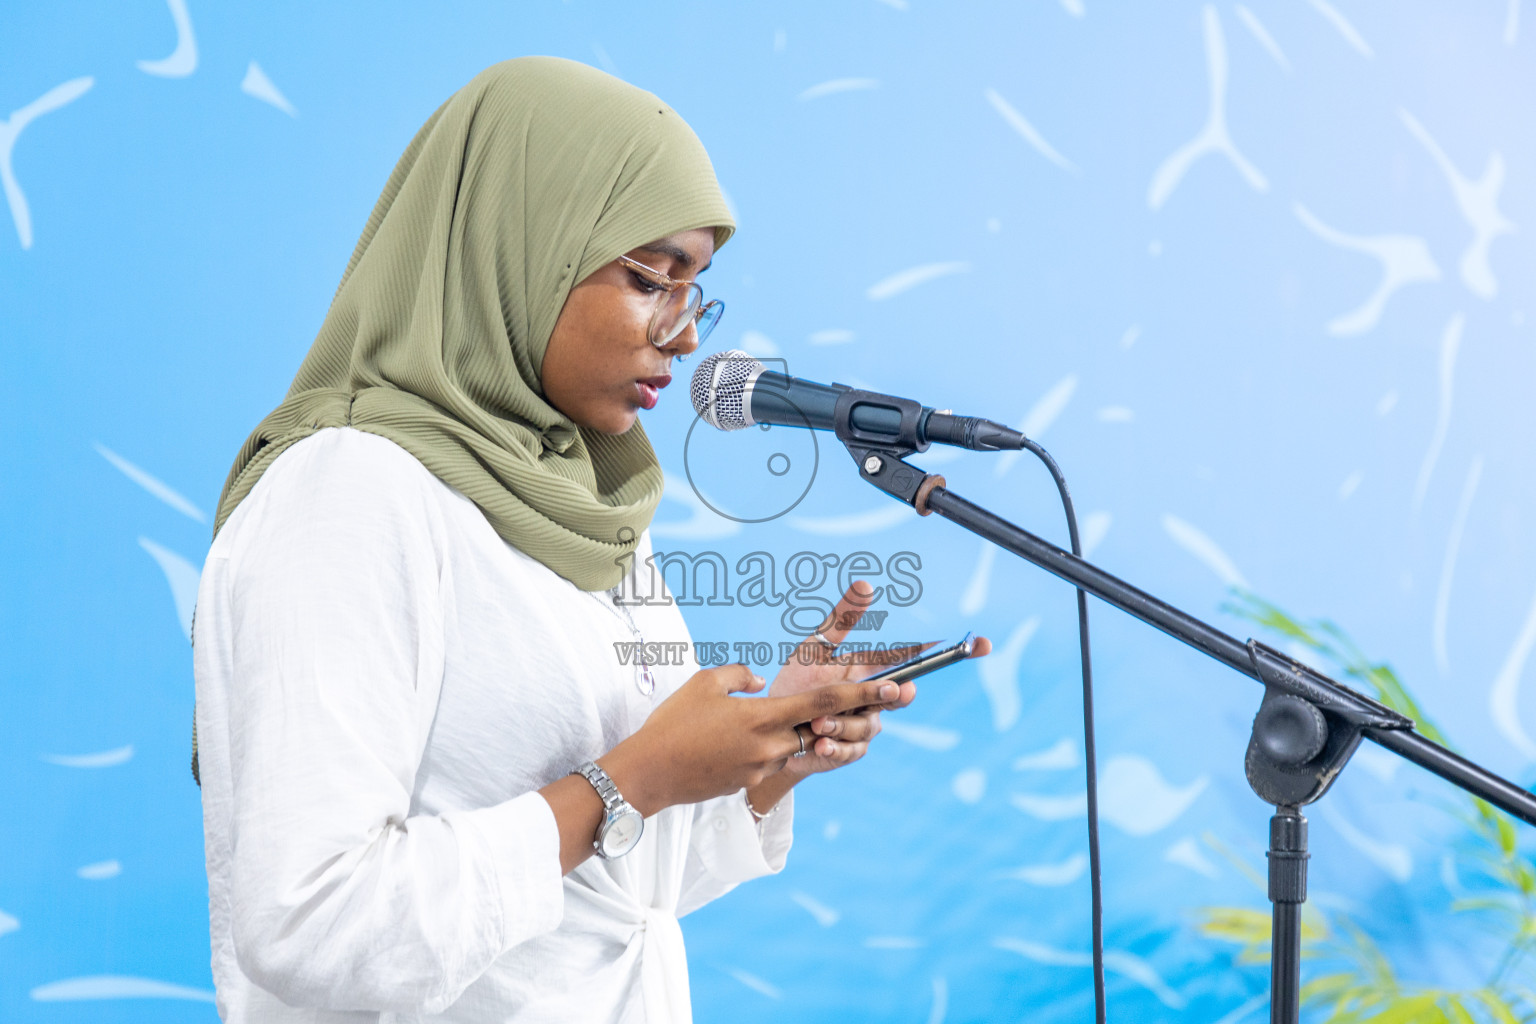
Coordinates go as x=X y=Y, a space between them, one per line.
x=732 y=390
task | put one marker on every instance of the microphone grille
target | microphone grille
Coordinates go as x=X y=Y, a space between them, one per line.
x=719 y=388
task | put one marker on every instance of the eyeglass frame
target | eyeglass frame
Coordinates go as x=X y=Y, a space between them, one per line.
x=672 y=285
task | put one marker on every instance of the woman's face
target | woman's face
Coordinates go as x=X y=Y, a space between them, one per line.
x=600 y=368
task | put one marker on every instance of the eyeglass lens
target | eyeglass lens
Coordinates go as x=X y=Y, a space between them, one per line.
x=676 y=312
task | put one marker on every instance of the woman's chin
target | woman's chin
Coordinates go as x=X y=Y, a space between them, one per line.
x=615 y=424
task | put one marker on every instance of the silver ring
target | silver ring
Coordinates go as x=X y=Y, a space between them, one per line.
x=828 y=644
x=801 y=737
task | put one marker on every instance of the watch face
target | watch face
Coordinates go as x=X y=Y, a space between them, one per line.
x=622 y=833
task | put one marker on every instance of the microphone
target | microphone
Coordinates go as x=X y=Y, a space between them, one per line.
x=732 y=390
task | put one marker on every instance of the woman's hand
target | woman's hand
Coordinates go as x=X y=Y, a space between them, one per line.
x=701 y=742
x=836 y=740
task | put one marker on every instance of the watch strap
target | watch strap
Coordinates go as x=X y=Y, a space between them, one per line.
x=593 y=773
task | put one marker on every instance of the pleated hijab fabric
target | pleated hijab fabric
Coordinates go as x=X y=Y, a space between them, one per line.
x=531 y=177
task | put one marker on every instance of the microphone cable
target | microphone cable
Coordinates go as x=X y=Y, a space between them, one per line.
x=1089 y=755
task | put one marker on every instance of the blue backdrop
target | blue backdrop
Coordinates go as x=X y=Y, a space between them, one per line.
x=1260 y=275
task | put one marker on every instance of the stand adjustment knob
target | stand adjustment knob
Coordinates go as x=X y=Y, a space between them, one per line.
x=1289 y=730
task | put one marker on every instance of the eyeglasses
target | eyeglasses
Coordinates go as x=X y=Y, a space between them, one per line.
x=682 y=305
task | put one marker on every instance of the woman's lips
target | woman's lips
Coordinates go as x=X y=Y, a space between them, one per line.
x=650 y=389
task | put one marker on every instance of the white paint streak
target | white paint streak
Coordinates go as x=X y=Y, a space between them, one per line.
x=1116 y=414
x=1135 y=798
x=1039 y=418
x=1405 y=260
x=754 y=983
x=1192 y=540
x=702 y=523
x=831 y=337
x=1350 y=485
x=1377 y=762
x=1448 y=564
x=1245 y=1009
x=1450 y=345
x=1061 y=757
x=604 y=61
x=1478 y=202
x=183 y=578
x=1345 y=29
x=1020 y=124
x=1386 y=403
x=1214 y=136
x=1504 y=697
x=1051 y=808
x=102 y=759
x=182 y=61
x=975 y=597
x=940 y=1006
x=1095 y=529
x=838 y=85
x=758 y=344
x=151 y=484
x=969 y=786
x=10 y=131
x=1256 y=28
x=1392 y=858
x=1048 y=876
x=100 y=871
x=999 y=673
x=115 y=986
x=824 y=915
x=258 y=85
x=1127 y=965
x=1187 y=853
x=927 y=737
x=854 y=523
x=901 y=281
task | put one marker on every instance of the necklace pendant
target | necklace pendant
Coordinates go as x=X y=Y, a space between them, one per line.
x=646 y=681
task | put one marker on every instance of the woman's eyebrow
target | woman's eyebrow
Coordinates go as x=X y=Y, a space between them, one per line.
x=677 y=253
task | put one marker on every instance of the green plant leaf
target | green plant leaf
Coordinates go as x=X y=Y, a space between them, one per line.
x=1498 y=1008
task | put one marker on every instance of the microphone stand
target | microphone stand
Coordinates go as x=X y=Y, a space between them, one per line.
x=1307 y=725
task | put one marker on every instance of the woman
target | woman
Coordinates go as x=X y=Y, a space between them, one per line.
x=403 y=646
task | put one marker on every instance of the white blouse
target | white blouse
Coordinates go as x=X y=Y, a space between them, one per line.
x=383 y=684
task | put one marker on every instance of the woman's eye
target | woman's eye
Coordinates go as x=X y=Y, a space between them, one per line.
x=644 y=283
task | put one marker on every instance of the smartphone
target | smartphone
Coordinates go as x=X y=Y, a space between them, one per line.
x=930 y=661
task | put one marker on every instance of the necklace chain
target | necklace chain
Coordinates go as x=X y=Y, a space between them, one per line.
x=645 y=682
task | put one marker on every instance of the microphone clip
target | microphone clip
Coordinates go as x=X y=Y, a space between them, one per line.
x=879 y=454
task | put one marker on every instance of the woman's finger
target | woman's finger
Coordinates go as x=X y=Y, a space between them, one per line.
x=835 y=626
x=829 y=700
x=736 y=679
x=860 y=725
x=840 y=752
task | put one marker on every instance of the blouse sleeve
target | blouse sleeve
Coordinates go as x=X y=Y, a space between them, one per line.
x=728 y=847
x=340 y=898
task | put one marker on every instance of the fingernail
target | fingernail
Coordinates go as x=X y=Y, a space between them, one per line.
x=757 y=679
x=823 y=725
x=889 y=691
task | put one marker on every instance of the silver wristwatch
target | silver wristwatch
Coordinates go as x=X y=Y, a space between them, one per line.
x=622 y=824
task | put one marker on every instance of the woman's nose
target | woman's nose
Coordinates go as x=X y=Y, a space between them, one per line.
x=686 y=342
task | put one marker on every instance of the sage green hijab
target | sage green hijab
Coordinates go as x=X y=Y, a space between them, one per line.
x=531 y=177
